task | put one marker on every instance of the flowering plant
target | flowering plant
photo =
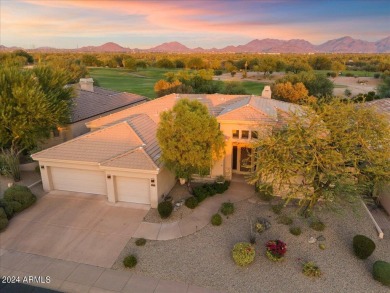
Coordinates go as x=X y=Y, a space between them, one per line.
x=276 y=249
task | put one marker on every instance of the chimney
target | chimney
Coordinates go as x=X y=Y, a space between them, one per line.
x=86 y=84
x=266 y=93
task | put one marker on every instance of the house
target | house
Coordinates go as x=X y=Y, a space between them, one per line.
x=119 y=158
x=91 y=102
x=383 y=107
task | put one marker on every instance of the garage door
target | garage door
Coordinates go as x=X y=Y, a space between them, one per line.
x=78 y=180
x=134 y=190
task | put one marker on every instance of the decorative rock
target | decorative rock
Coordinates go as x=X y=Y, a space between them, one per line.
x=321 y=238
x=312 y=240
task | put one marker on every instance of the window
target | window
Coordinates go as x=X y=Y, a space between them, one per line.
x=244 y=134
x=235 y=133
x=254 y=135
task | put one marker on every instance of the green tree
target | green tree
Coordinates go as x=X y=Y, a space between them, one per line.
x=320 y=63
x=297 y=66
x=189 y=138
x=267 y=65
x=165 y=63
x=384 y=87
x=23 y=53
x=33 y=102
x=330 y=154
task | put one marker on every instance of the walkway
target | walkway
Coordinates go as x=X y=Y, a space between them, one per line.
x=199 y=218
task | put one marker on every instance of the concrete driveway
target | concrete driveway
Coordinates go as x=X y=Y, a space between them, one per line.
x=76 y=227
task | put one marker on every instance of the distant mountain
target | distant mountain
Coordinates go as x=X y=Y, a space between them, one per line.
x=341 y=45
x=170 y=47
x=107 y=47
x=347 y=45
x=383 y=46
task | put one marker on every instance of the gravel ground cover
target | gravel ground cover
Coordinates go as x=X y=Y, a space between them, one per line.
x=204 y=258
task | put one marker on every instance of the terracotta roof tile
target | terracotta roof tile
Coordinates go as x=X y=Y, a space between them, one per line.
x=134 y=159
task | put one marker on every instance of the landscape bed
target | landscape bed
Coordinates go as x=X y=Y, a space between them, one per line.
x=204 y=258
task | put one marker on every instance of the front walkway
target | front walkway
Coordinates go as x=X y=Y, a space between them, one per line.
x=199 y=218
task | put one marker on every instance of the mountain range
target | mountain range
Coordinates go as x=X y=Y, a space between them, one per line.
x=341 y=45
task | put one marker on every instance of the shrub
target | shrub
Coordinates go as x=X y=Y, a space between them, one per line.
x=218 y=72
x=295 y=231
x=20 y=194
x=221 y=188
x=140 y=242
x=348 y=74
x=216 y=220
x=331 y=74
x=243 y=253
x=130 y=261
x=276 y=249
x=200 y=193
x=377 y=75
x=285 y=220
x=381 y=272
x=310 y=269
x=210 y=190
x=265 y=191
x=165 y=209
x=277 y=209
x=317 y=225
x=191 y=202
x=363 y=246
x=227 y=208
x=3 y=219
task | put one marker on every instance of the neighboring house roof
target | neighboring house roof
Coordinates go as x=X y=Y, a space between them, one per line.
x=382 y=106
x=127 y=139
x=88 y=104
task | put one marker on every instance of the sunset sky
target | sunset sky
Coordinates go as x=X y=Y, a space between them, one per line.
x=204 y=23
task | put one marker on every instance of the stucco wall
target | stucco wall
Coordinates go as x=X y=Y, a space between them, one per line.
x=165 y=182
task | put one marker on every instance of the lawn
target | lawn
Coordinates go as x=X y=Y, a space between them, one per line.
x=355 y=73
x=142 y=82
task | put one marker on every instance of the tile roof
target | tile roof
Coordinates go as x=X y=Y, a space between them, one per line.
x=134 y=159
x=95 y=147
x=381 y=105
x=89 y=104
x=127 y=139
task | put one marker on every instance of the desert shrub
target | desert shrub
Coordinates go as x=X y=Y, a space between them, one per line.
x=227 y=208
x=348 y=74
x=210 y=190
x=277 y=209
x=310 y=269
x=130 y=261
x=265 y=191
x=200 y=193
x=20 y=194
x=221 y=187
x=3 y=219
x=218 y=72
x=165 y=209
x=191 y=202
x=331 y=74
x=377 y=75
x=9 y=211
x=140 y=242
x=381 y=272
x=243 y=253
x=317 y=225
x=275 y=250
x=363 y=246
x=295 y=231
x=216 y=220
x=285 y=220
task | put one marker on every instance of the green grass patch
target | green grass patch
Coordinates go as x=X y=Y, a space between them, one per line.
x=253 y=88
x=358 y=73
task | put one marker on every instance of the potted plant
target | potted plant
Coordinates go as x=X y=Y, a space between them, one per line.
x=276 y=250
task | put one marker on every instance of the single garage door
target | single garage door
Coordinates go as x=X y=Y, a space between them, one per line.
x=78 y=180
x=129 y=189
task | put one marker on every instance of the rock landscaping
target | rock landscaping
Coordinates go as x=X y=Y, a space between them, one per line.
x=205 y=258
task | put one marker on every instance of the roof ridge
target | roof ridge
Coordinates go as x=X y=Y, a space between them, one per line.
x=140 y=148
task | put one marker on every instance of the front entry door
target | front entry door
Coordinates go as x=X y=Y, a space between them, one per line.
x=245 y=157
x=240 y=157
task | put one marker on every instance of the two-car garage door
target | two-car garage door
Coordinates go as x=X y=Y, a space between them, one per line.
x=78 y=180
x=127 y=189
